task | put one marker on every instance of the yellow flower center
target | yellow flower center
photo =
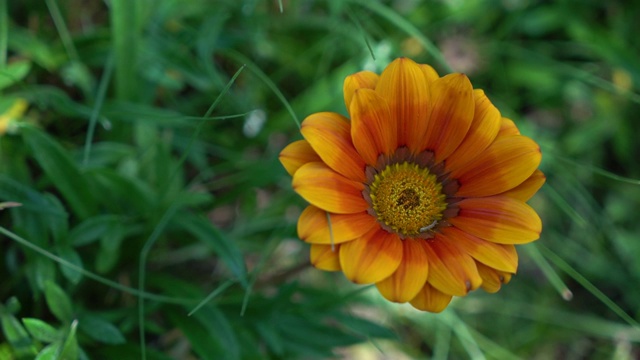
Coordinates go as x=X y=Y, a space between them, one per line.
x=407 y=199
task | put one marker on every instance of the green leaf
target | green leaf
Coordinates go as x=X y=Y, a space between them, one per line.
x=70 y=349
x=27 y=43
x=128 y=195
x=109 y=252
x=58 y=225
x=58 y=301
x=14 y=73
x=11 y=306
x=100 y=330
x=93 y=229
x=68 y=253
x=77 y=73
x=61 y=170
x=219 y=327
x=226 y=248
x=44 y=270
x=50 y=352
x=36 y=210
x=270 y=337
x=41 y=331
x=16 y=335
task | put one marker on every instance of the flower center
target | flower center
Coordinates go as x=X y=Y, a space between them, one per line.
x=407 y=199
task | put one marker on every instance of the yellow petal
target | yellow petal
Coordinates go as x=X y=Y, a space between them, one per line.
x=324 y=257
x=329 y=134
x=372 y=257
x=450 y=270
x=452 y=111
x=359 y=80
x=505 y=164
x=430 y=73
x=372 y=131
x=528 y=188
x=313 y=226
x=483 y=131
x=492 y=279
x=410 y=276
x=431 y=299
x=404 y=85
x=328 y=190
x=508 y=127
x=451 y=115
x=500 y=219
x=499 y=256
x=297 y=154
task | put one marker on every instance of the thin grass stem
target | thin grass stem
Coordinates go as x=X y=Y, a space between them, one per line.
x=65 y=36
x=406 y=26
x=265 y=79
x=548 y=271
x=95 y=113
x=219 y=290
x=569 y=270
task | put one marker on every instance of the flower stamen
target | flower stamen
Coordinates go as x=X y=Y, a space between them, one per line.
x=407 y=199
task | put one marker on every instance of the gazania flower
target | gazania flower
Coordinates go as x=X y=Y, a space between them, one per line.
x=422 y=192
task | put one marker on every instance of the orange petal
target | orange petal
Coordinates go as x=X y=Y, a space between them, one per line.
x=328 y=190
x=451 y=115
x=429 y=73
x=508 y=127
x=505 y=164
x=324 y=257
x=359 y=80
x=372 y=257
x=492 y=279
x=528 y=188
x=500 y=256
x=404 y=85
x=410 y=276
x=313 y=226
x=297 y=154
x=329 y=134
x=499 y=219
x=483 y=130
x=431 y=299
x=372 y=131
x=450 y=270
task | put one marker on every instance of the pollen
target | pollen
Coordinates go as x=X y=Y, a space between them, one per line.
x=407 y=199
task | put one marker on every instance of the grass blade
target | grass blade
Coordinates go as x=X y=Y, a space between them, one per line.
x=93 y=276
x=406 y=26
x=102 y=91
x=4 y=33
x=569 y=270
x=124 y=27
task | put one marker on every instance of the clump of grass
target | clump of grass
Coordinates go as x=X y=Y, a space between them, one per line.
x=139 y=220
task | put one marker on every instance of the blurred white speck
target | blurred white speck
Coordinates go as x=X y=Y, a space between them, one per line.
x=253 y=123
x=106 y=124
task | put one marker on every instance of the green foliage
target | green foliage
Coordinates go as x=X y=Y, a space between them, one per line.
x=144 y=214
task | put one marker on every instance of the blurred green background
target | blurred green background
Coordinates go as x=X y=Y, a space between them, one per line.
x=141 y=138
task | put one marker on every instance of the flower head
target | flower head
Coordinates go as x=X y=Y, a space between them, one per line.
x=421 y=192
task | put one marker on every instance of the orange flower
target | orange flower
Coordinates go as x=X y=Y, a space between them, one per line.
x=422 y=192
